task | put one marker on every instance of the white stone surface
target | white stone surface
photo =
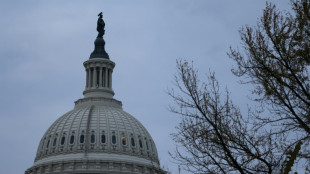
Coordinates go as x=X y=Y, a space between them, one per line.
x=95 y=120
x=99 y=156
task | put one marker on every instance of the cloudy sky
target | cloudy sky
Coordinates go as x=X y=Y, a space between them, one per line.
x=43 y=45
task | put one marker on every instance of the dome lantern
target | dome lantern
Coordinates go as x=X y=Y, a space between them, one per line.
x=98 y=78
x=99 y=68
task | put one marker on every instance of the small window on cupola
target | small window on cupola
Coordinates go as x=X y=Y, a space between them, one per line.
x=147 y=144
x=103 y=139
x=82 y=138
x=133 y=144
x=113 y=138
x=63 y=140
x=55 y=141
x=92 y=138
x=151 y=143
x=123 y=140
x=43 y=143
x=140 y=143
x=72 y=139
x=48 y=143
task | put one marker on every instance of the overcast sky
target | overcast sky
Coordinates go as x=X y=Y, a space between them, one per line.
x=43 y=45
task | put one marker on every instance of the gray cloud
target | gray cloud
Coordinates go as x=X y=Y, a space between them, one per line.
x=44 y=43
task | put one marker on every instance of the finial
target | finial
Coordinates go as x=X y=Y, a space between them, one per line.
x=100 y=26
x=99 y=51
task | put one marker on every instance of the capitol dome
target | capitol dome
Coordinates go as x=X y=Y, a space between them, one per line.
x=97 y=136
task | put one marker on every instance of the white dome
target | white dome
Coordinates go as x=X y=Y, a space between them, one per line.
x=97 y=136
x=100 y=136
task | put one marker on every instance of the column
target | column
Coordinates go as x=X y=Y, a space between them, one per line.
x=100 y=77
x=86 y=78
x=106 y=77
x=89 y=77
x=103 y=76
x=110 y=79
x=95 y=77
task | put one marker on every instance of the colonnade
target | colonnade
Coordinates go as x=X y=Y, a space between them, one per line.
x=98 y=77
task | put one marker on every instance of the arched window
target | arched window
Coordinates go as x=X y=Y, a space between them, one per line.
x=151 y=146
x=147 y=145
x=92 y=138
x=43 y=144
x=72 y=139
x=113 y=139
x=63 y=140
x=140 y=143
x=123 y=140
x=48 y=143
x=102 y=138
x=82 y=138
x=55 y=141
x=133 y=142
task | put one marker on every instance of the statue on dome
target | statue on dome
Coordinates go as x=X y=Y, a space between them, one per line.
x=100 y=26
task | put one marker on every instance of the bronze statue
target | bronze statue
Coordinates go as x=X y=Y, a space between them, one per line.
x=99 y=51
x=100 y=26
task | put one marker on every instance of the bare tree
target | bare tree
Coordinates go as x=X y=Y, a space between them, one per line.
x=213 y=136
x=275 y=59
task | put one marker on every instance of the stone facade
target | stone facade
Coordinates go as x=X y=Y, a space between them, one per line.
x=91 y=166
